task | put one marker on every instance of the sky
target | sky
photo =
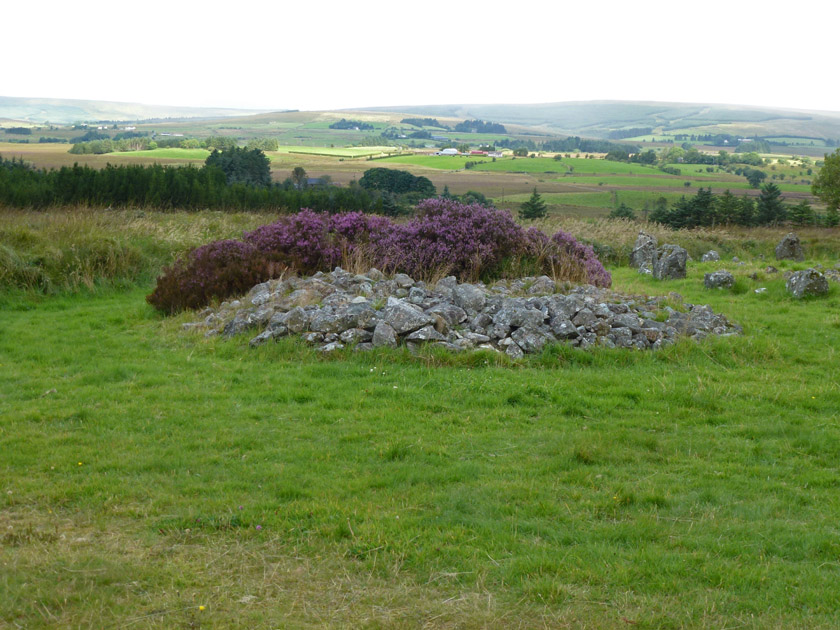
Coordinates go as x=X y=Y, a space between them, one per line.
x=317 y=55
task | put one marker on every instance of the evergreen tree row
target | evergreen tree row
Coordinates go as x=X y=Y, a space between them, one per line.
x=170 y=187
x=708 y=210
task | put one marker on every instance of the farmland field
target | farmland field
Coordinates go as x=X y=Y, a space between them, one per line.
x=566 y=165
x=169 y=153
x=274 y=487
x=348 y=152
x=442 y=162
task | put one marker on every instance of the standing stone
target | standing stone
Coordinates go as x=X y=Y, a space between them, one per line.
x=644 y=251
x=807 y=282
x=719 y=280
x=789 y=248
x=710 y=256
x=671 y=263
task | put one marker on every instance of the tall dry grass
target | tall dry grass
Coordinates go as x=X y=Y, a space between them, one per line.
x=613 y=239
x=76 y=248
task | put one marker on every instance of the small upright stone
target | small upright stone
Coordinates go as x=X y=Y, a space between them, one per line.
x=710 y=256
x=719 y=280
x=644 y=251
x=789 y=248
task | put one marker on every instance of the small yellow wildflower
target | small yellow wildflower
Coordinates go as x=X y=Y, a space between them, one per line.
x=201 y=607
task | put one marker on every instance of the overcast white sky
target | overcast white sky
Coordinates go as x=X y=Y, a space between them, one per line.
x=312 y=54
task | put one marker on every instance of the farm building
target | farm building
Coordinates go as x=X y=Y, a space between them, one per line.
x=447 y=152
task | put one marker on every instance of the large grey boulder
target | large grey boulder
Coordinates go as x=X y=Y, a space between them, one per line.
x=806 y=283
x=719 y=280
x=404 y=318
x=542 y=286
x=644 y=251
x=470 y=298
x=789 y=248
x=670 y=263
x=384 y=336
x=531 y=341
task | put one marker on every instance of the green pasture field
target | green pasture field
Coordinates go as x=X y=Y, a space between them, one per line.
x=168 y=153
x=675 y=181
x=699 y=170
x=549 y=165
x=347 y=152
x=442 y=162
x=634 y=198
x=806 y=142
x=156 y=479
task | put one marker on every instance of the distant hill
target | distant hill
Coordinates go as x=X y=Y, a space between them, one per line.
x=600 y=118
x=67 y=111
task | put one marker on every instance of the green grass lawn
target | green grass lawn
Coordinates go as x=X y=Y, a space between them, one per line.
x=155 y=479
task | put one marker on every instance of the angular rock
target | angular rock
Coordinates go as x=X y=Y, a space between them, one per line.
x=355 y=335
x=710 y=256
x=453 y=315
x=514 y=351
x=789 y=248
x=404 y=318
x=427 y=333
x=719 y=280
x=585 y=318
x=542 y=285
x=384 y=336
x=469 y=297
x=563 y=328
x=519 y=316
x=531 y=341
x=670 y=264
x=416 y=295
x=809 y=282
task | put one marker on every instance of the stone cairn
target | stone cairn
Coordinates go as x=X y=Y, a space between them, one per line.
x=516 y=317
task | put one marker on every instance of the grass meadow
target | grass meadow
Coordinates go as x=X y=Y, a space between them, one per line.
x=156 y=479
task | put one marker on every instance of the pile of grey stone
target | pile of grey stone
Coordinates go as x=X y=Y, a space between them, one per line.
x=667 y=262
x=517 y=317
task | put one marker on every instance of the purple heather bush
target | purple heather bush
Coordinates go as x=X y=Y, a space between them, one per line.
x=217 y=270
x=446 y=237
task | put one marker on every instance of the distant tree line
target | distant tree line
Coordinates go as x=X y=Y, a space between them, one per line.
x=227 y=182
x=620 y=134
x=567 y=145
x=20 y=131
x=351 y=124
x=708 y=210
x=479 y=126
x=423 y=122
x=129 y=141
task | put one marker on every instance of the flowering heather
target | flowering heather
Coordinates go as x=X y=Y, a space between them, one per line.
x=446 y=237
x=451 y=237
x=216 y=270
